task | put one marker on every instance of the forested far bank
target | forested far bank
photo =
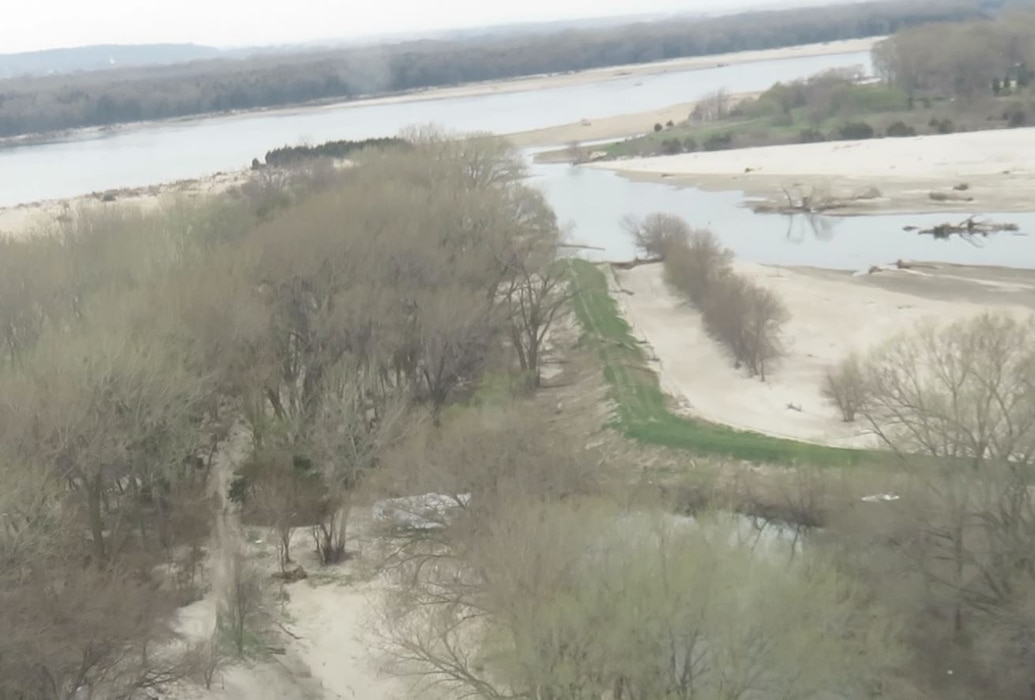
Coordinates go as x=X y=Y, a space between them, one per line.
x=57 y=103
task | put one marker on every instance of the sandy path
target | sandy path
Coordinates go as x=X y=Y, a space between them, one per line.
x=831 y=315
x=999 y=165
x=334 y=621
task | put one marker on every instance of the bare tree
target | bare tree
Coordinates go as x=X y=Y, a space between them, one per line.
x=696 y=267
x=845 y=387
x=283 y=491
x=656 y=233
x=583 y=600
x=240 y=595
x=963 y=398
x=763 y=320
x=353 y=429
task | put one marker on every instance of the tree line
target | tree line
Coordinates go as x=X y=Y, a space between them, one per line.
x=47 y=104
x=980 y=57
x=745 y=317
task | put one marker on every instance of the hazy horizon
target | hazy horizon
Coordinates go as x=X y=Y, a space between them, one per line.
x=53 y=24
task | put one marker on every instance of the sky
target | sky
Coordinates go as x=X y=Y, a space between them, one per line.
x=30 y=25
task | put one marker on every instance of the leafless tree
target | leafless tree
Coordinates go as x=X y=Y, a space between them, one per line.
x=584 y=600
x=845 y=387
x=764 y=317
x=959 y=401
x=656 y=233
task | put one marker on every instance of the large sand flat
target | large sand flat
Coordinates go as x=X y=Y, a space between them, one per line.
x=832 y=314
x=999 y=165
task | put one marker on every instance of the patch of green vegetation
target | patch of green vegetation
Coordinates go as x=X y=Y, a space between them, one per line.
x=289 y=155
x=642 y=410
x=827 y=107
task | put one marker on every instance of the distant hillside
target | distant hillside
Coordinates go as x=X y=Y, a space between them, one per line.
x=88 y=58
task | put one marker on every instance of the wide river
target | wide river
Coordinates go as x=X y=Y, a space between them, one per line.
x=170 y=151
x=590 y=202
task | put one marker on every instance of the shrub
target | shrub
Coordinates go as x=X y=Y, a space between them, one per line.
x=900 y=129
x=845 y=387
x=689 y=144
x=657 y=234
x=718 y=142
x=658 y=126
x=1018 y=118
x=855 y=131
x=811 y=136
x=288 y=155
x=670 y=123
x=694 y=266
x=671 y=146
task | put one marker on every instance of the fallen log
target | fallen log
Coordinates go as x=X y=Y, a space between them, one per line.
x=635 y=262
x=969 y=227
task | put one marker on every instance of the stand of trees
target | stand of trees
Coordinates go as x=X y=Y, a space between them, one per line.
x=746 y=318
x=39 y=105
x=966 y=59
x=135 y=344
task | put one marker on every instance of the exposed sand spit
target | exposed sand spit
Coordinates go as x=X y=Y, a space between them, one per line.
x=997 y=164
x=594 y=75
x=832 y=314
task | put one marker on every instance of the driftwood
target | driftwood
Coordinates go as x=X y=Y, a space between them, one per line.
x=579 y=246
x=970 y=228
x=635 y=262
x=799 y=199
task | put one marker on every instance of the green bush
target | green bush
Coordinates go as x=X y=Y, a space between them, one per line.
x=689 y=144
x=811 y=136
x=671 y=147
x=286 y=155
x=855 y=130
x=718 y=142
x=900 y=129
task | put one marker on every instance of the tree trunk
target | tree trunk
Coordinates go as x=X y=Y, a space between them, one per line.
x=93 y=504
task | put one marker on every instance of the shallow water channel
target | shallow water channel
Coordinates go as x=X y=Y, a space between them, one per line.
x=592 y=203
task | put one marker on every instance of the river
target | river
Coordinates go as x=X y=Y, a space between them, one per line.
x=591 y=202
x=164 y=152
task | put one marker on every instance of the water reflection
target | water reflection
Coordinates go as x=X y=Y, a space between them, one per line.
x=593 y=203
x=800 y=227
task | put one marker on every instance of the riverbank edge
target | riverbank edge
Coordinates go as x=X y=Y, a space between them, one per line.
x=525 y=83
x=642 y=410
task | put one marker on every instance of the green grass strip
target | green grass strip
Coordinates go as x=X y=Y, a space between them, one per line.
x=642 y=409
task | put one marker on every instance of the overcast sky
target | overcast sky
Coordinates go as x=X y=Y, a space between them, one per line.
x=29 y=25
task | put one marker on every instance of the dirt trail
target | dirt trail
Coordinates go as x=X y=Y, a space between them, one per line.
x=328 y=652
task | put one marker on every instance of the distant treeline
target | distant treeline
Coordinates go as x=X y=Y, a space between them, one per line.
x=54 y=103
x=962 y=59
x=286 y=155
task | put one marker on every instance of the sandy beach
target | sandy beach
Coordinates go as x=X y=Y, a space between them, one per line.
x=832 y=315
x=995 y=165
x=596 y=75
